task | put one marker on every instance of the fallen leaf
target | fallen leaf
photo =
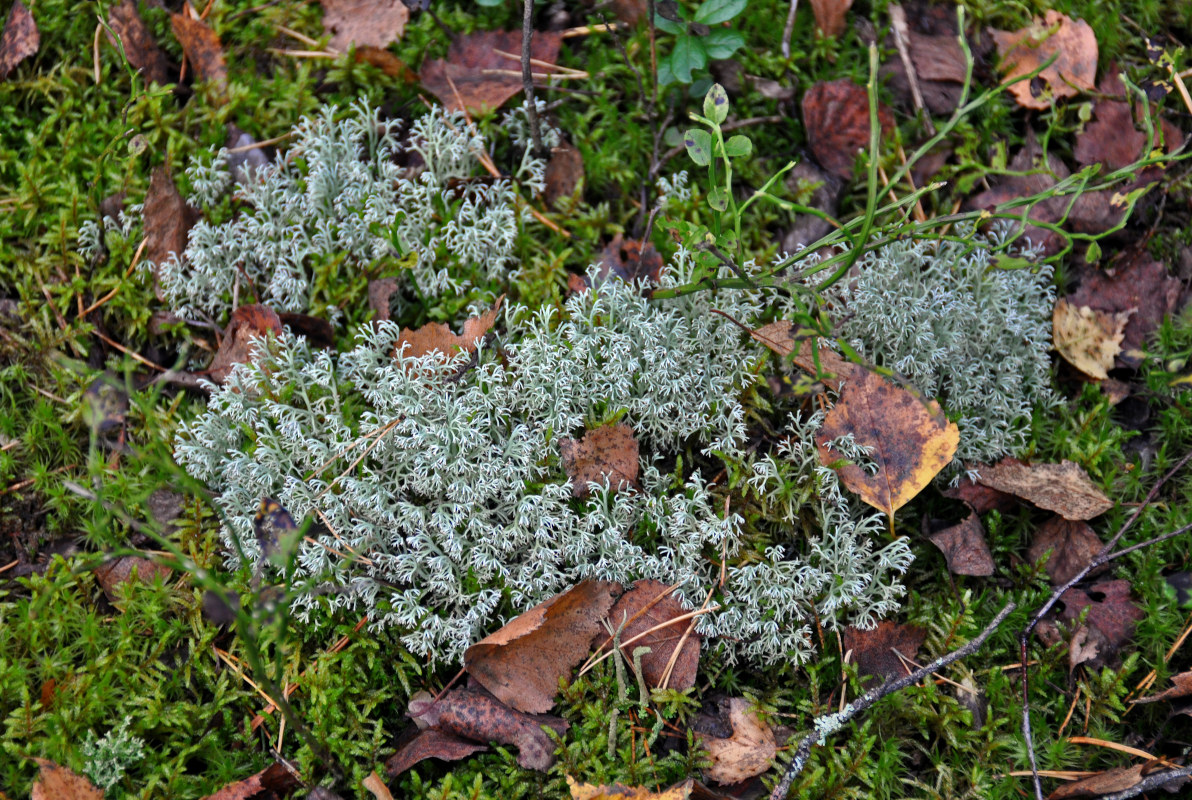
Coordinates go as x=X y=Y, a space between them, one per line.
x=376 y=786
x=564 y=172
x=316 y=331
x=608 y=453
x=522 y=662
x=388 y=63
x=836 y=119
x=59 y=783
x=471 y=57
x=689 y=789
x=1181 y=687
x=964 y=547
x=910 y=441
x=830 y=15
x=478 y=716
x=274 y=527
x=630 y=261
x=1112 y=138
x=168 y=220
x=825 y=196
x=1072 y=545
x=437 y=336
x=364 y=23
x=1108 y=782
x=273 y=781
x=747 y=753
x=630 y=12
x=782 y=336
x=1088 y=339
x=632 y=606
x=1140 y=285
x=19 y=40
x=1075 y=67
x=981 y=499
x=380 y=292
x=1064 y=488
x=431 y=743
x=203 y=50
x=138 y=43
x=112 y=574
x=248 y=325
x=873 y=650
x=1109 y=624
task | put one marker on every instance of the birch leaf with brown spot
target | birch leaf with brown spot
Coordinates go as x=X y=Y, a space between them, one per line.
x=748 y=752
x=203 y=50
x=522 y=662
x=1064 y=488
x=640 y=610
x=1023 y=51
x=437 y=336
x=605 y=453
x=910 y=441
x=1088 y=339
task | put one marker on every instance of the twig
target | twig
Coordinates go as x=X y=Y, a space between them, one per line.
x=539 y=149
x=254 y=145
x=1150 y=782
x=1148 y=543
x=901 y=34
x=827 y=725
x=789 y=30
x=136 y=259
x=1059 y=591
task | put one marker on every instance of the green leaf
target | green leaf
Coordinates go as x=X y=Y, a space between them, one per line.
x=716 y=11
x=716 y=104
x=738 y=146
x=673 y=137
x=689 y=54
x=668 y=26
x=722 y=43
x=718 y=198
x=1093 y=254
x=666 y=75
x=699 y=146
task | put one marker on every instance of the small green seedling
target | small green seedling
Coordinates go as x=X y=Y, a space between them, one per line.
x=697 y=41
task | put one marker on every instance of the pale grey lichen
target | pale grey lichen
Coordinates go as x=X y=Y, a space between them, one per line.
x=959 y=327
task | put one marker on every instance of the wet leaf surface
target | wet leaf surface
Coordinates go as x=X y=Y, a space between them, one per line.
x=522 y=662
x=608 y=453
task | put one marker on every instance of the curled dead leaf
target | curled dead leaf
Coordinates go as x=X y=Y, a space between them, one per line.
x=437 y=336
x=476 y=77
x=431 y=743
x=747 y=753
x=203 y=50
x=1181 y=687
x=964 y=547
x=19 y=40
x=522 y=662
x=831 y=15
x=1064 y=488
x=1072 y=545
x=139 y=46
x=168 y=220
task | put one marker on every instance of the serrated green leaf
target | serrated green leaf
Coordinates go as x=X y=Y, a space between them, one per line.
x=738 y=146
x=722 y=43
x=689 y=54
x=716 y=104
x=713 y=12
x=718 y=198
x=699 y=146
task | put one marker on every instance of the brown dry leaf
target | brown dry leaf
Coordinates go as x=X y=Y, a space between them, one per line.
x=1072 y=544
x=365 y=23
x=630 y=261
x=747 y=753
x=873 y=650
x=781 y=338
x=478 y=716
x=59 y=783
x=522 y=662
x=273 y=781
x=1181 y=687
x=388 y=63
x=830 y=15
x=139 y=45
x=1023 y=51
x=468 y=65
x=111 y=574
x=168 y=219
x=19 y=40
x=379 y=293
x=203 y=50
x=376 y=787
x=564 y=172
x=836 y=118
x=248 y=324
x=1108 y=782
x=981 y=499
x=964 y=547
x=1112 y=138
x=689 y=789
x=1064 y=488
x=437 y=336
x=1109 y=624
x=1141 y=285
x=431 y=743
x=662 y=643
x=1088 y=339
x=607 y=453
x=316 y=331
x=908 y=440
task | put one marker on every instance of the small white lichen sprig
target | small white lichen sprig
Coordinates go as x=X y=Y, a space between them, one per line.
x=339 y=193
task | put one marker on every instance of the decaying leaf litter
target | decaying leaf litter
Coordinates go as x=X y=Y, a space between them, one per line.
x=639 y=635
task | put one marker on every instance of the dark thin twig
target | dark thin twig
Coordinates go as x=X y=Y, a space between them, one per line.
x=539 y=149
x=1101 y=558
x=1149 y=782
x=1148 y=543
x=728 y=262
x=829 y=724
